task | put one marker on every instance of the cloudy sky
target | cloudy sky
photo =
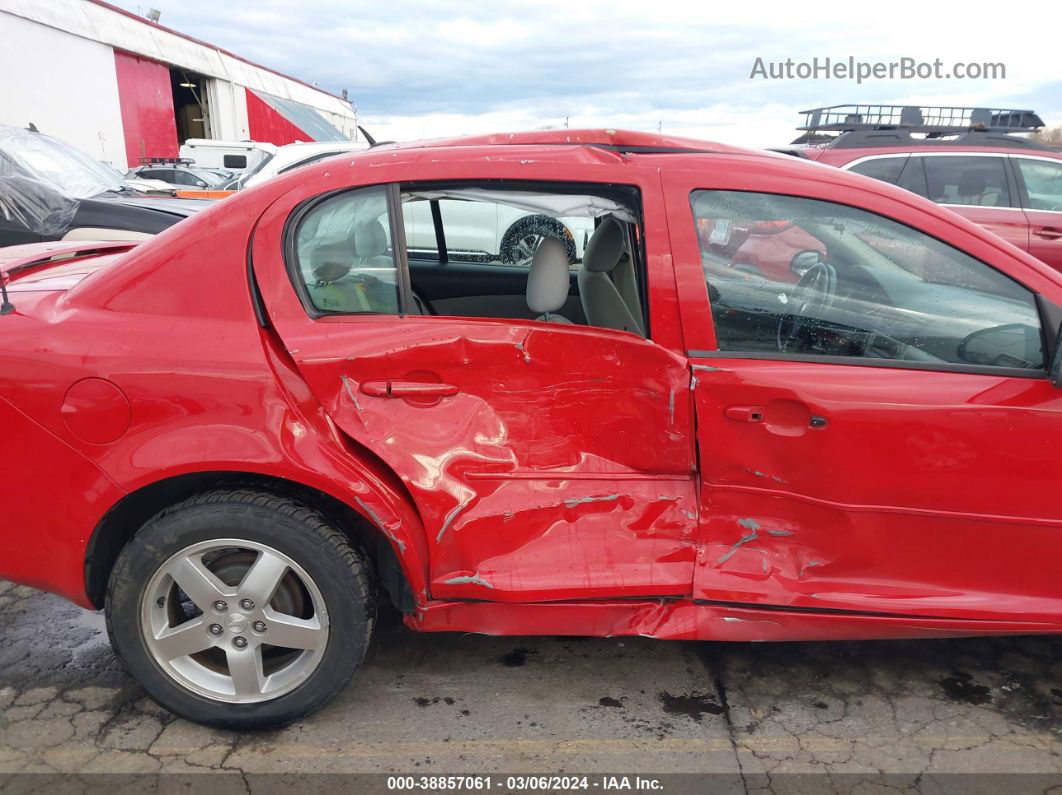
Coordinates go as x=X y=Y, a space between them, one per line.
x=442 y=67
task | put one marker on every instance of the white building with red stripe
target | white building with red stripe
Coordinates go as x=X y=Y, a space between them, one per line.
x=123 y=88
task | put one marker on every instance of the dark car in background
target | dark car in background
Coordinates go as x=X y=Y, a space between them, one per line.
x=975 y=161
x=51 y=191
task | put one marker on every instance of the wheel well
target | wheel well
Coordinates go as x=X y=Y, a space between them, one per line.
x=127 y=516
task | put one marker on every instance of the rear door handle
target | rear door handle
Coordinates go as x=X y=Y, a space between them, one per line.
x=744 y=413
x=1048 y=232
x=407 y=389
x=376 y=388
x=421 y=389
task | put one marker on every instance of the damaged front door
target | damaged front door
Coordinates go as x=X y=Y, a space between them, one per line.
x=876 y=430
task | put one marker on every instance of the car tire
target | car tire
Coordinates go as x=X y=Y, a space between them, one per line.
x=518 y=242
x=322 y=602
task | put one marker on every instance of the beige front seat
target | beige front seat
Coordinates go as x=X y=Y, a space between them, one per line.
x=548 y=281
x=602 y=303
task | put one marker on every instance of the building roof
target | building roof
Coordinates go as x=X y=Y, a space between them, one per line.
x=146 y=21
x=100 y=21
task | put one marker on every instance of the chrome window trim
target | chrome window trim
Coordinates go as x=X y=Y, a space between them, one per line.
x=858 y=160
x=981 y=206
x=1057 y=160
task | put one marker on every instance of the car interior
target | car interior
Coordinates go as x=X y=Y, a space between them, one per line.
x=967 y=181
x=499 y=251
x=877 y=290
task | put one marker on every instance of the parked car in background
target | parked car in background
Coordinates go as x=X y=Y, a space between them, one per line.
x=223 y=174
x=266 y=418
x=51 y=191
x=180 y=174
x=267 y=163
x=154 y=187
x=228 y=155
x=974 y=161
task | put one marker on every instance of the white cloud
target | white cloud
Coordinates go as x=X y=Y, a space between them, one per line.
x=446 y=67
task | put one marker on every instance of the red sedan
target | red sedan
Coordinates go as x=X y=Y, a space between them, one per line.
x=233 y=437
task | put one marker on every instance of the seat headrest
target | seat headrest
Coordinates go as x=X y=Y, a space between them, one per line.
x=370 y=239
x=549 y=277
x=605 y=247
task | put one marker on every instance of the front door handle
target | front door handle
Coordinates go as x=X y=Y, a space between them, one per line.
x=781 y=417
x=407 y=389
x=1048 y=232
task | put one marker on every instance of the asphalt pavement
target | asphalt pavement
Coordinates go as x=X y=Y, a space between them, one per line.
x=843 y=716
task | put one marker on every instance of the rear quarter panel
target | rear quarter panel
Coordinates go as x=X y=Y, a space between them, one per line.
x=172 y=327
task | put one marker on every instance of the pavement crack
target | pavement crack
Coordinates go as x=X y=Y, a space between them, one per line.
x=715 y=665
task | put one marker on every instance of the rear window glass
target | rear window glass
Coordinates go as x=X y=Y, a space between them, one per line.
x=887 y=169
x=500 y=226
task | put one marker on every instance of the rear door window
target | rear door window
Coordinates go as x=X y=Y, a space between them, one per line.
x=496 y=227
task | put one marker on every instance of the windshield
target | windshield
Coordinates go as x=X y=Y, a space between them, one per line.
x=211 y=178
x=256 y=162
x=70 y=172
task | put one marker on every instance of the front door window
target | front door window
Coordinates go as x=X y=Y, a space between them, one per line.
x=789 y=276
x=1043 y=183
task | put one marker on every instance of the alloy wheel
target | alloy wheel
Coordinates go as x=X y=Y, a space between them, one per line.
x=234 y=621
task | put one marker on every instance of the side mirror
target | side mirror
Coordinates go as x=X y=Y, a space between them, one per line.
x=1010 y=345
x=200 y=184
x=803 y=261
x=1054 y=372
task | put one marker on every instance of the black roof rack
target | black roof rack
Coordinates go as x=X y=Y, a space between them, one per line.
x=812 y=139
x=915 y=118
x=861 y=139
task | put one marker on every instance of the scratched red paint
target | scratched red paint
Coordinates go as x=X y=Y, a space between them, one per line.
x=577 y=480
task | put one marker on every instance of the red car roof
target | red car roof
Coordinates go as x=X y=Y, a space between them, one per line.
x=620 y=140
